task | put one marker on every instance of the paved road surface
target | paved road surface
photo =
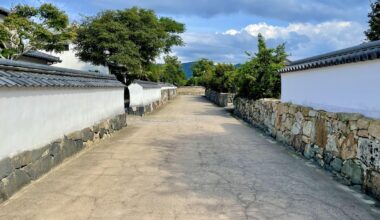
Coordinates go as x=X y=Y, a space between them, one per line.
x=190 y=160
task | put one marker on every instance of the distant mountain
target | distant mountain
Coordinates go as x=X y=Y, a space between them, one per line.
x=187 y=69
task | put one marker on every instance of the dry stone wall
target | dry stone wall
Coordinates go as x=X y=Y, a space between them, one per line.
x=346 y=144
x=221 y=99
x=20 y=170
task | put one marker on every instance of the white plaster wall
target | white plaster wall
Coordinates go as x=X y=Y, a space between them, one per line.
x=344 y=88
x=151 y=95
x=33 y=117
x=69 y=60
x=140 y=96
x=135 y=95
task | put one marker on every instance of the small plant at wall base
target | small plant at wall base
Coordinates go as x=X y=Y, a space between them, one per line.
x=127 y=41
x=28 y=28
x=259 y=77
x=373 y=33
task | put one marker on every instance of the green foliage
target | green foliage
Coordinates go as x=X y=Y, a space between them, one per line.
x=172 y=71
x=224 y=78
x=259 y=77
x=220 y=77
x=28 y=28
x=127 y=40
x=203 y=72
x=373 y=33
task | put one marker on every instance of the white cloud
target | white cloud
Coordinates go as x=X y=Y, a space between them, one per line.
x=302 y=40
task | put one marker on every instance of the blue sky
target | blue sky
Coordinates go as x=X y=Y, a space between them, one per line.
x=222 y=30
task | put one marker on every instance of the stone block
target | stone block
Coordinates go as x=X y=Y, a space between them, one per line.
x=374 y=129
x=363 y=123
x=70 y=147
x=336 y=164
x=6 y=167
x=298 y=143
x=308 y=152
x=87 y=135
x=332 y=115
x=331 y=145
x=313 y=113
x=369 y=152
x=308 y=129
x=328 y=157
x=56 y=152
x=84 y=135
x=372 y=184
x=296 y=128
x=342 y=126
x=353 y=125
x=345 y=117
x=353 y=171
x=22 y=159
x=39 y=152
x=363 y=133
x=95 y=128
x=292 y=109
x=348 y=149
x=305 y=111
x=40 y=167
x=11 y=184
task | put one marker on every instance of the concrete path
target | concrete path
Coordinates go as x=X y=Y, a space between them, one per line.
x=190 y=160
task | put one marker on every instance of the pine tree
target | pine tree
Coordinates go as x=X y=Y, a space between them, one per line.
x=373 y=33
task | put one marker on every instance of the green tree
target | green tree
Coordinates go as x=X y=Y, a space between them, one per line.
x=154 y=72
x=29 y=28
x=128 y=41
x=172 y=71
x=203 y=72
x=373 y=33
x=259 y=77
x=222 y=79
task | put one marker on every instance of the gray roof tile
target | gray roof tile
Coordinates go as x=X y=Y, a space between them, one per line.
x=44 y=56
x=22 y=74
x=360 y=53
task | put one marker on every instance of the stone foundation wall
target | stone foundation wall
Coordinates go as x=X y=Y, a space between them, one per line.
x=221 y=99
x=346 y=144
x=20 y=170
x=166 y=96
x=191 y=90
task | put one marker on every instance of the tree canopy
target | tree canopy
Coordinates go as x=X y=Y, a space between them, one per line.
x=203 y=72
x=29 y=28
x=127 y=40
x=259 y=77
x=373 y=33
x=172 y=71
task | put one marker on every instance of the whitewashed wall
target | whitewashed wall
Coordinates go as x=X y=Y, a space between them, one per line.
x=151 y=95
x=140 y=96
x=135 y=95
x=69 y=60
x=344 y=88
x=33 y=117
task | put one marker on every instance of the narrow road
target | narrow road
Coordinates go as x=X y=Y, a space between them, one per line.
x=189 y=160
